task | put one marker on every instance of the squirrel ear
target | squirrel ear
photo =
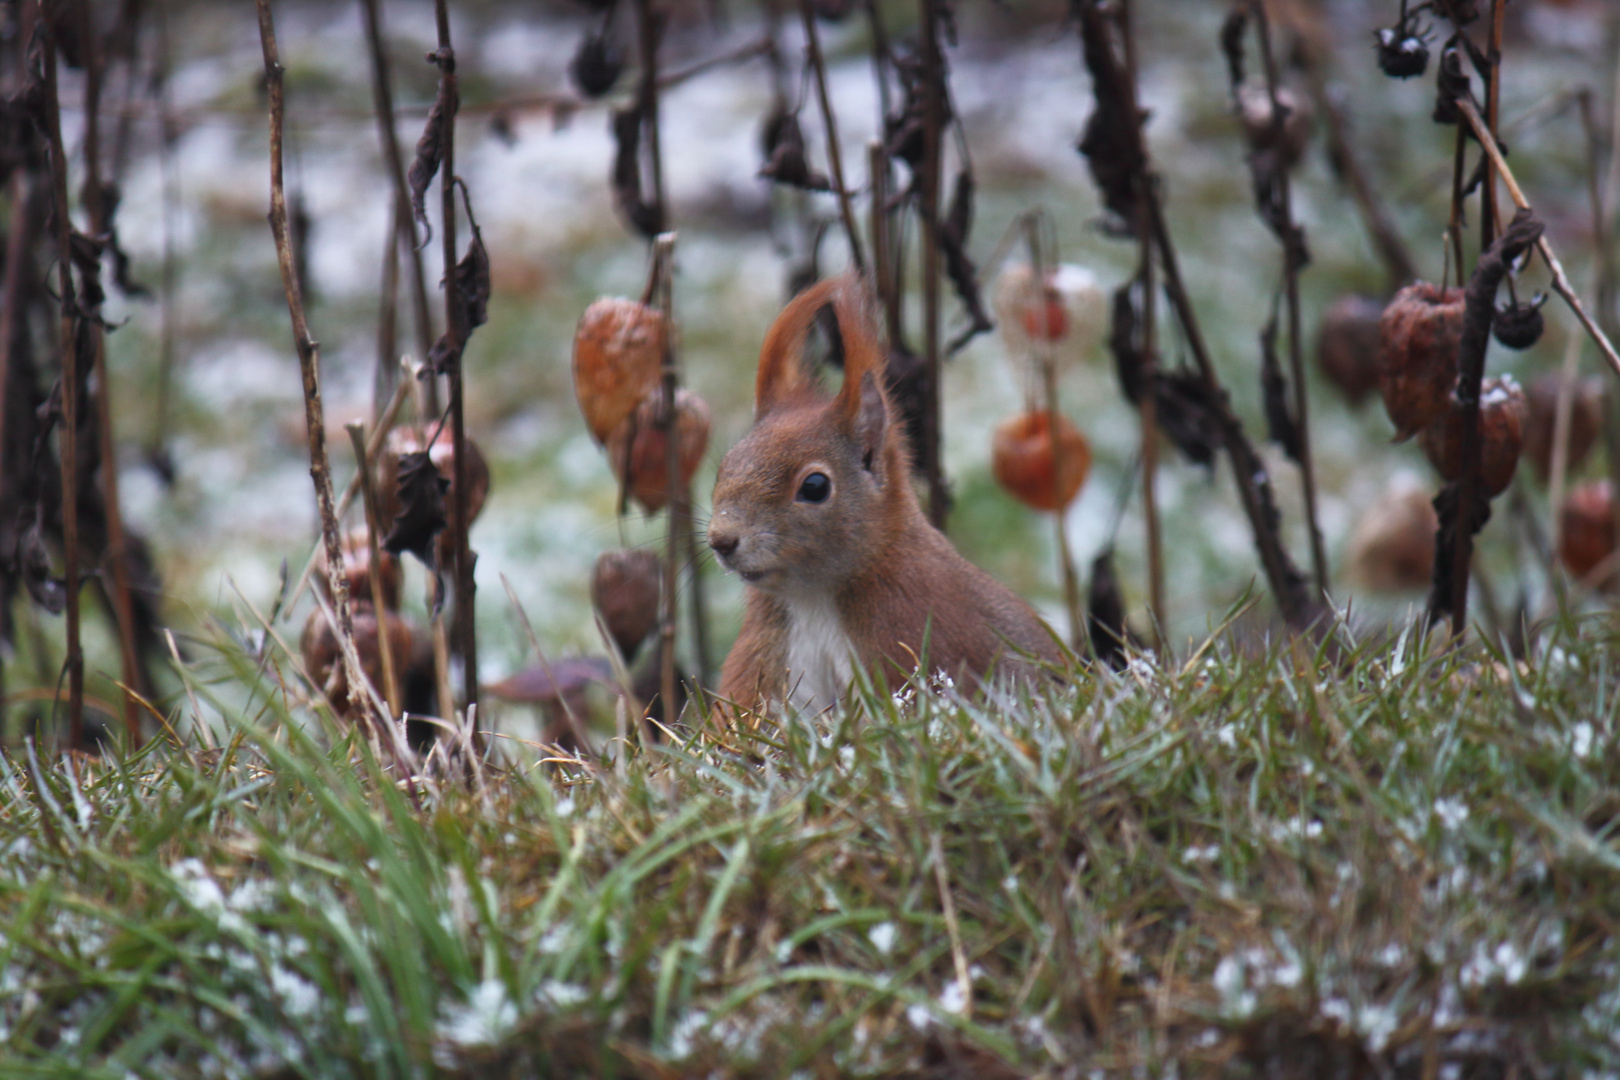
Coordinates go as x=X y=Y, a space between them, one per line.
x=871 y=424
x=781 y=363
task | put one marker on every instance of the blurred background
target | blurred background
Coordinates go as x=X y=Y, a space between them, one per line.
x=536 y=157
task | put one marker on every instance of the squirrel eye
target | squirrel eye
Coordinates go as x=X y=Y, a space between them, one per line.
x=815 y=488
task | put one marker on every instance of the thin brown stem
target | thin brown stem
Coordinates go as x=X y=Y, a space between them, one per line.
x=929 y=181
x=115 y=557
x=1149 y=407
x=1560 y=283
x=69 y=430
x=320 y=470
x=1292 y=247
x=466 y=624
x=829 y=120
x=368 y=498
x=663 y=260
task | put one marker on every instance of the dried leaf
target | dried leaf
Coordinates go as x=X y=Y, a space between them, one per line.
x=472 y=283
x=1124 y=340
x=1237 y=20
x=645 y=219
x=421 y=508
x=1112 y=142
x=786 y=162
x=34 y=563
x=1281 y=424
x=953 y=234
x=1186 y=415
x=429 y=152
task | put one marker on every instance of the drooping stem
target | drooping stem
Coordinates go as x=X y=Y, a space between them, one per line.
x=466 y=623
x=1293 y=248
x=829 y=121
x=663 y=257
x=69 y=430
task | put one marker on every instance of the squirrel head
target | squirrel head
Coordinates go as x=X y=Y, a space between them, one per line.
x=810 y=497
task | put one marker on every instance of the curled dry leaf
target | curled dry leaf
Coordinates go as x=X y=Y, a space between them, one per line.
x=618 y=358
x=1105 y=612
x=1502 y=413
x=1392 y=549
x=1586 y=534
x=403 y=442
x=357 y=570
x=34 y=561
x=1418 y=338
x=429 y=152
x=323 y=658
x=1043 y=464
x=1585 y=421
x=421 y=515
x=637 y=450
x=1347 y=345
x=625 y=587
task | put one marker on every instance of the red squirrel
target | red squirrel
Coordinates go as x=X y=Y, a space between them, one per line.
x=814 y=508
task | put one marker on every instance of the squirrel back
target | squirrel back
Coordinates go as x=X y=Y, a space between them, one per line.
x=815 y=509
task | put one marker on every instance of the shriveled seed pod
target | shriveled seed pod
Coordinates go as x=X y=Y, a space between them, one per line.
x=1392 y=549
x=637 y=448
x=1586 y=527
x=1347 y=345
x=618 y=356
x=323 y=660
x=1519 y=325
x=1418 y=338
x=357 y=570
x=1502 y=412
x=596 y=65
x=1585 y=421
x=625 y=587
x=1043 y=465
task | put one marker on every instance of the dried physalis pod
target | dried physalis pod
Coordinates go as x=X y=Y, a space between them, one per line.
x=1392 y=549
x=323 y=658
x=618 y=357
x=1586 y=527
x=625 y=587
x=1347 y=345
x=638 y=448
x=1066 y=309
x=1502 y=413
x=1418 y=338
x=1043 y=465
x=1585 y=421
x=442 y=453
x=1254 y=113
x=357 y=570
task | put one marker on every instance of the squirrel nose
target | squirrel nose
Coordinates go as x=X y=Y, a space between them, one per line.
x=723 y=543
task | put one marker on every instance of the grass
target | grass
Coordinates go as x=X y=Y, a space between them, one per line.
x=1257 y=862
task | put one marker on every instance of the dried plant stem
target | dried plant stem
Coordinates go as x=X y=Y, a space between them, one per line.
x=320 y=470
x=368 y=498
x=650 y=32
x=835 y=158
x=877 y=178
x=379 y=435
x=404 y=222
x=69 y=430
x=1291 y=269
x=1493 y=98
x=929 y=182
x=1149 y=407
x=168 y=135
x=466 y=624
x=116 y=555
x=1560 y=283
x=663 y=259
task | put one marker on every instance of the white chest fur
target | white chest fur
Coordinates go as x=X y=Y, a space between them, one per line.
x=819 y=664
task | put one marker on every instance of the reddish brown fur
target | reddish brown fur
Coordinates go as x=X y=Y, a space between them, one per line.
x=898 y=587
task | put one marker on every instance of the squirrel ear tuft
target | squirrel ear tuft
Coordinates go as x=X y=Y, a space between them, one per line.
x=871 y=424
x=781 y=364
